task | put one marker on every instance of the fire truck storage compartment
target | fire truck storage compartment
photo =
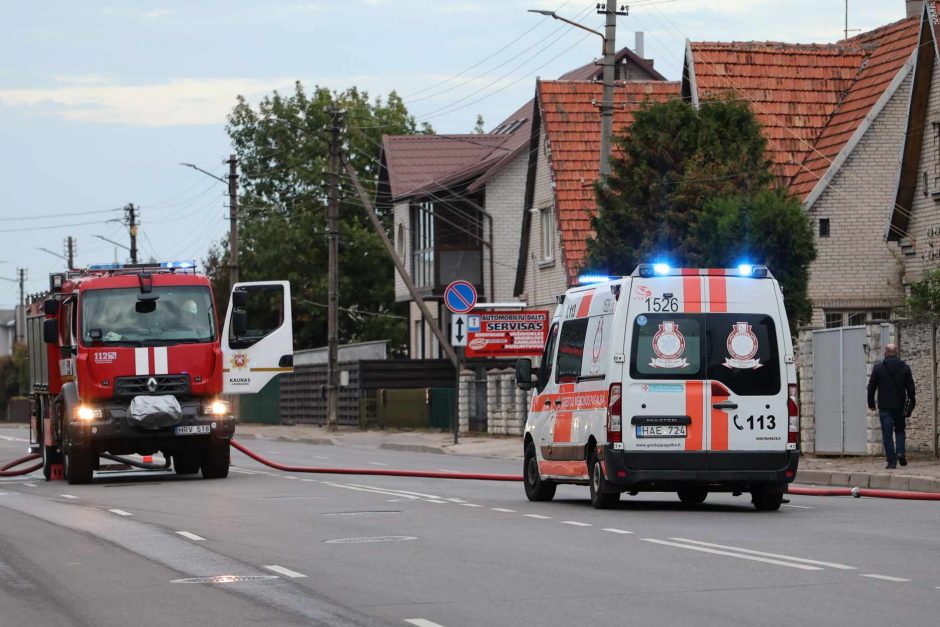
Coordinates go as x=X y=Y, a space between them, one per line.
x=38 y=353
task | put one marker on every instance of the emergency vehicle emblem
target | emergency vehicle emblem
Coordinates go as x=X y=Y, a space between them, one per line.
x=239 y=361
x=151 y=385
x=669 y=344
x=742 y=346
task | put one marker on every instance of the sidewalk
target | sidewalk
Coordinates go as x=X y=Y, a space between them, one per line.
x=920 y=475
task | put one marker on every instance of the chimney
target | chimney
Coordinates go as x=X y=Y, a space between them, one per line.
x=914 y=7
x=638 y=47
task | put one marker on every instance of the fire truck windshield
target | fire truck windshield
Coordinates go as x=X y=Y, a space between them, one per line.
x=169 y=315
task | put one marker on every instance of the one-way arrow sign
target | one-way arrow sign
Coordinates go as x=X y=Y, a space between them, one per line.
x=458 y=332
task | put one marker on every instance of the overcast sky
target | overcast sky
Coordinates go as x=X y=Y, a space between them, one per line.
x=100 y=101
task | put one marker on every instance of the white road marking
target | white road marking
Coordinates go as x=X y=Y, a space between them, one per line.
x=309 y=480
x=29 y=484
x=575 y=523
x=421 y=494
x=420 y=622
x=289 y=477
x=120 y=512
x=378 y=464
x=537 y=516
x=285 y=571
x=621 y=531
x=456 y=500
x=886 y=578
x=776 y=555
x=244 y=472
x=191 y=536
x=471 y=505
x=729 y=554
x=68 y=496
x=436 y=501
x=503 y=509
x=358 y=488
x=12 y=439
x=797 y=506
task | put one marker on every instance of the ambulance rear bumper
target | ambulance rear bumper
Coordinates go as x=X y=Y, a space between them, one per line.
x=719 y=471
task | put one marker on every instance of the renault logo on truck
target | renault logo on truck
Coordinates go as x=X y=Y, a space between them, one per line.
x=151 y=385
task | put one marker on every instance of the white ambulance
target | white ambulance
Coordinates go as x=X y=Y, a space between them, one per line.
x=667 y=380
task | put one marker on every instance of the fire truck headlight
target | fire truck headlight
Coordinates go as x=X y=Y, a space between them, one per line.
x=84 y=412
x=217 y=408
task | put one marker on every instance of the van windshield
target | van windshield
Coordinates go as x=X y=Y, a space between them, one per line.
x=739 y=350
x=116 y=317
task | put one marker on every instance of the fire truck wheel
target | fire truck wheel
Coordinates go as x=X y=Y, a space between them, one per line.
x=186 y=463
x=535 y=488
x=79 y=466
x=693 y=495
x=766 y=500
x=50 y=457
x=216 y=459
x=601 y=498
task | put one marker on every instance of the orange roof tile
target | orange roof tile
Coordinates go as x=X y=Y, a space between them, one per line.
x=571 y=123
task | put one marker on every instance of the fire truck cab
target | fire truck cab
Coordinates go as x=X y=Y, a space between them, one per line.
x=131 y=359
x=666 y=380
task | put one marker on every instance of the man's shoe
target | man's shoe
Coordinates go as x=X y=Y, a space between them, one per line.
x=890 y=466
x=902 y=460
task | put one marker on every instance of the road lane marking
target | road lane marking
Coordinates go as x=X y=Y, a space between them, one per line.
x=378 y=464
x=30 y=485
x=436 y=501
x=471 y=505
x=776 y=555
x=289 y=477
x=456 y=500
x=798 y=506
x=575 y=523
x=309 y=480
x=503 y=509
x=120 y=512
x=537 y=516
x=12 y=439
x=68 y=496
x=191 y=536
x=613 y=530
x=420 y=622
x=754 y=558
x=886 y=578
x=285 y=571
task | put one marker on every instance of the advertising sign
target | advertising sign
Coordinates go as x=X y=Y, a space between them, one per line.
x=506 y=333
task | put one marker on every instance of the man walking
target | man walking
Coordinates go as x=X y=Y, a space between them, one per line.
x=894 y=382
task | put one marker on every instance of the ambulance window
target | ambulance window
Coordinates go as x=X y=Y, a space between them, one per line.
x=667 y=346
x=571 y=349
x=548 y=357
x=594 y=362
x=742 y=353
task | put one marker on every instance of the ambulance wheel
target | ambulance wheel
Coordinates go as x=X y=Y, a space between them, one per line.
x=692 y=496
x=601 y=498
x=186 y=463
x=535 y=488
x=79 y=465
x=215 y=460
x=766 y=500
x=50 y=457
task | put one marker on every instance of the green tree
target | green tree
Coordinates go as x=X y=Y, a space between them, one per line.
x=674 y=159
x=479 y=127
x=14 y=376
x=768 y=229
x=283 y=151
x=924 y=301
x=694 y=187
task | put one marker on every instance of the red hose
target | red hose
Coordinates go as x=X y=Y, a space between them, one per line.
x=6 y=472
x=820 y=491
x=376 y=471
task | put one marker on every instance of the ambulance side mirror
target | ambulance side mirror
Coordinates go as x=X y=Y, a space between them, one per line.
x=239 y=323
x=50 y=331
x=524 y=374
x=239 y=299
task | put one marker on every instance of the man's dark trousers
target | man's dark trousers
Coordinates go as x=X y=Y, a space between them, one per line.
x=892 y=424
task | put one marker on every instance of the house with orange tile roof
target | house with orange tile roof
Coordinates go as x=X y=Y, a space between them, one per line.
x=456 y=201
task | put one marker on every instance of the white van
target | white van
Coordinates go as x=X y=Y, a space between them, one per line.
x=667 y=380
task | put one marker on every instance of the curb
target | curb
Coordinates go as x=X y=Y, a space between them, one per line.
x=881 y=481
x=412 y=448
x=314 y=441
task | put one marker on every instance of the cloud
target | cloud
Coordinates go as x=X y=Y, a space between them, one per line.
x=159 y=14
x=177 y=102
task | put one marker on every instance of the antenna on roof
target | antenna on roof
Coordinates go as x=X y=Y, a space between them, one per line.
x=847 y=29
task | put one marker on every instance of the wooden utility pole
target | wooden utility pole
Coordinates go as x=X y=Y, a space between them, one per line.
x=332 y=384
x=130 y=214
x=70 y=251
x=233 y=219
x=20 y=318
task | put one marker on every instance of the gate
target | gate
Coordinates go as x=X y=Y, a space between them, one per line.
x=839 y=387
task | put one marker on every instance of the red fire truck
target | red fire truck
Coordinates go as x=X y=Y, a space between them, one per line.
x=129 y=359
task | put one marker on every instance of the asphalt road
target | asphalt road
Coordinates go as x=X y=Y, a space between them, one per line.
x=347 y=550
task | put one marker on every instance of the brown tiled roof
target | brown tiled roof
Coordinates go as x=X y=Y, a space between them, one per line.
x=571 y=123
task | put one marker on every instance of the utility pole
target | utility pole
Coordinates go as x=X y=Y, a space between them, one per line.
x=233 y=218
x=332 y=385
x=610 y=54
x=130 y=215
x=70 y=251
x=21 y=324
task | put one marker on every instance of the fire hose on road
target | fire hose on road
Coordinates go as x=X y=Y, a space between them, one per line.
x=6 y=471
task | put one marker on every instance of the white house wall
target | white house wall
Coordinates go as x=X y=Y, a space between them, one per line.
x=505 y=196
x=402 y=217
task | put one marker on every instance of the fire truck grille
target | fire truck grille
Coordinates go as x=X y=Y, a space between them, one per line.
x=177 y=384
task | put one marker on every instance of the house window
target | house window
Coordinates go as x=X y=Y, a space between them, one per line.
x=856 y=318
x=824 y=227
x=401 y=240
x=879 y=315
x=547 y=222
x=423 y=258
x=833 y=320
x=836 y=319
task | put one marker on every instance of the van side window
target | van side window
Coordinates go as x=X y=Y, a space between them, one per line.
x=594 y=363
x=742 y=353
x=667 y=346
x=548 y=358
x=571 y=349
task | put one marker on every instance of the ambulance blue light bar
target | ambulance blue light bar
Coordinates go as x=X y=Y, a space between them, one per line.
x=662 y=269
x=589 y=279
x=648 y=270
x=178 y=265
x=105 y=266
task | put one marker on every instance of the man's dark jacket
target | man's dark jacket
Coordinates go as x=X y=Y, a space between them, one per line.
x=893 y=380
